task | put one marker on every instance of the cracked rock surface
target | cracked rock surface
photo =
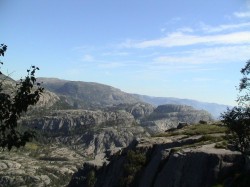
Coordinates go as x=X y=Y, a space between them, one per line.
x=38 y=165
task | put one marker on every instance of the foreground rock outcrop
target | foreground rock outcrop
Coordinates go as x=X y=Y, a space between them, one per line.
x=39 y=165
x=163 y=162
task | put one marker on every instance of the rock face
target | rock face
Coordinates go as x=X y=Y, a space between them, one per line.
x=47 y=99
x=91 y=132
x=197 y=168
x=36 y=165
x=94 y=132
x=168 y=116
x=202 y=166
x=138 y=110
x=65 y=121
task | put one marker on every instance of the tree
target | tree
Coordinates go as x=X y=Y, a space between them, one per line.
x=12 y=105
x=237 y=119
x=238 y=122
x=244 y=86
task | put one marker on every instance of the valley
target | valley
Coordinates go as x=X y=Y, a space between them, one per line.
x=124 y=93
x=78 y=123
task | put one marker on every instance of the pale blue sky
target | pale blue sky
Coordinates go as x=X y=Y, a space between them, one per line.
x=183 y=48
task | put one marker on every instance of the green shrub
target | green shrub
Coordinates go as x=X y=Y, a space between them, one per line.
x=237 y=120
x=204 y=129
x=91 y=179
x=48 y=158
x=221 y=145
x=135 y=161
x=198 y=129
x=203 y=122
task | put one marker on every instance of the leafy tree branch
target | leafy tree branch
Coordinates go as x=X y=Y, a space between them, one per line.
x=13 y=105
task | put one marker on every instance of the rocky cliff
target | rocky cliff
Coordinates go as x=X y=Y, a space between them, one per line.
x=177 y=162
x=138 y=110
x=91 y=132
x=94 y=132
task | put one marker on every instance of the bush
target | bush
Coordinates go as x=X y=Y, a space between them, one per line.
x=13 y=105
x=91 y=179
x=203 y=122
x=238 y=122
x=237 y=119
x=135 y=161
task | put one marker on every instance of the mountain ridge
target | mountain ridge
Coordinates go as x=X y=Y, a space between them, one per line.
x=214 y=108
x=90 y=93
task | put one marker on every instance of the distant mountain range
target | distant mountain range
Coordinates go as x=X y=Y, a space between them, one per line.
x=213 y=108
x=90 y=95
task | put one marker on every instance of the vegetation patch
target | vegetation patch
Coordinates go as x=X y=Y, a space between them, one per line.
x=200 y=129
x=239 y=179
x=91 y=179
x=48 y=158
x=205 y=139
x=57 y=178
x=135 y=161
x=32 y=146
x=222 y=145
x=196 y=129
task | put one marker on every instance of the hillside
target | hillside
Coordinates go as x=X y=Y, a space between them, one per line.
x=168 y=116
x=89 y=95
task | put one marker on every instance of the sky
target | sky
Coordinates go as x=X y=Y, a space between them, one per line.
x=184 y=48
